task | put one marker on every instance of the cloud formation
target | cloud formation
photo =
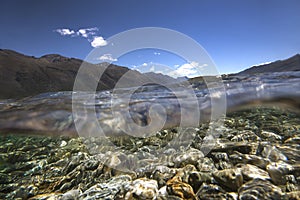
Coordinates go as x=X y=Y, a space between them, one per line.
x=89 y=33
x=190 y=70
x=108 y=57
x=98 y=41
x=65 y=31
x=86 y=32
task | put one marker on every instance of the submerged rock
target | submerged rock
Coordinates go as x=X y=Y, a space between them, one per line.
x=211 y=191
x=191 y=156
x=231 y=179
x=277 y=172
x=272 y=153
x=107 y=190
x=246 y=136
x=176 y=187
x=270 y=136
x=142 y=188
x=252 y=172
x=259 y=189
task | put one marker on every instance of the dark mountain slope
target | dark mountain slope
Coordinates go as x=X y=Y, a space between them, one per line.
x=290 y=64
x=22 y=75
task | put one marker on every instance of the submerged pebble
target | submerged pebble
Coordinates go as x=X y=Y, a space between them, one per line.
x=259 y=189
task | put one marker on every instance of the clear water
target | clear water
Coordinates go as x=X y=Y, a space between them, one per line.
x=51 y=113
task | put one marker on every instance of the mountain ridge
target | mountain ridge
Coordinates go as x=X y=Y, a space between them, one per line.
x=289 y=64
x=22 y=75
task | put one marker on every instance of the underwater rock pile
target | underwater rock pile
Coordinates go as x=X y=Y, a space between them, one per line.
x=257 y=156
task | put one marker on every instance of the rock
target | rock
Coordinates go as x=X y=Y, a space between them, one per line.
x=76 y=160
x=291 y=183
x=63 y=143
x=293 y=140
x=109 y=190
x=231 y=179
x=292 y=152
x=211 y=191
x=19 y=193
x=246 y=136
x=221 y=160
x=176 y=187
x=196 y=179
x=220 y=156
x=162 y=193
x=223 y=145
x=162 y=174
x=142 y=188
x=277 y=172
x=206 y=165
x=191 y=156
x=258 y=161
x=32 y=190
x=270 y=136
x=66 y=186
x=272 y=153
x=295 y=195
x=5 y=178
x=70 y=195
x=259 y=189
x=252 y=172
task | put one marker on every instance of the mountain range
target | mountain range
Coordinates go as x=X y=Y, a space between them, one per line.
x=290 y=64
x=22 y=75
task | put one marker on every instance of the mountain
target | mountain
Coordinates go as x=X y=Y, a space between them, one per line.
x=22 y=75
x=290 y=64
x=164 y=79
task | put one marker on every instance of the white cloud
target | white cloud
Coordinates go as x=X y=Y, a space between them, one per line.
x=65 y=31
x=188 y=69
x=82 y=32
x=86 y=32
x=108 y=57
x=98 y=41
x=144 y=64
x=152 y=69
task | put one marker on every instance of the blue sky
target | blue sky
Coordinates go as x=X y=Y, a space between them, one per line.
x=236 y=34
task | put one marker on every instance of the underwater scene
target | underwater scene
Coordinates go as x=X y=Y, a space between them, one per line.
x=251 y=151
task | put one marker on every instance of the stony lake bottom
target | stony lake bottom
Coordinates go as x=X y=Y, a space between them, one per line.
x=256 y=157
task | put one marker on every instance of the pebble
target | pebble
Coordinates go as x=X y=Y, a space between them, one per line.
x=211 y=191
x=176 y=187
x=272 y=153
x=191 y=156
x=107 y=190
x=231 y=179
x=142 y=188
x=278 y=170
x=259 y=189
x=252 y=172
x=270 y=136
